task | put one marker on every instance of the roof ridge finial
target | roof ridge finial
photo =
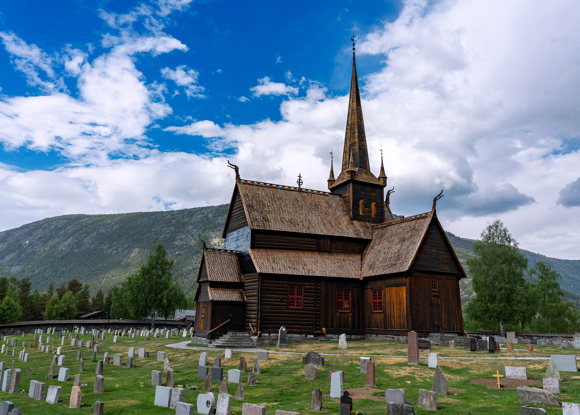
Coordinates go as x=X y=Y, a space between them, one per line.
x=435 y=199
x=236 y=169
x=382 y=175
x=353 y=40
x=331 y=175
x=300 y=182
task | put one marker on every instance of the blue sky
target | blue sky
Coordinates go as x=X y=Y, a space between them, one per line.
x=117 y=106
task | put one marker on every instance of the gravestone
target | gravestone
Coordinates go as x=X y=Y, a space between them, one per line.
x=252 y=409
x=400 y=409
x=440 y=382
x=569 y=408
x=336 y=383
x=202 y=372
x=433 y=360
x=177 y=395
x=516 y=372
x=170 y=378
x=131 y=352
x=224 y=387
x=395 y=396
x=52 y=395
x=78 y=355
x=251 y=380
x=530 y=410
x=224 y=404
x=99 y=368
x=183 y=408
x=6 y=407
x=363 y=364
x=6 y=380
x=77 y=380
x=202 y=359
x=262 y=355
x=228 y=354
x=217 y=362
x=345 y=403
x=205 y=403
x=217 y=373
x=162 y=396
x=50 y=371
x=99 y=384
x=370 y=376
x=156 y=378
x=412 y=348
x=491 y=344
x=313 y=358
x=511 y=337
x=552 y=371
x=310 y=372
x=129 y=363
x=481 y=345
x=15 y=381
x=81 y=365
x=256 y=370
x=470 y=343
x=316 y=402
x=537 y=396
x=565 y=363
x=576 y=341
x=243 y=366
x=61 y=360
x=75 y=397
x=118 y=360
x=423 y=344
x=240 y=392
x=161 y=356
x=452 y=344
x=234 y=376
x=141 y=352
x=342 y=341
x=282 y=337
x=551 y=385
x=427 y=400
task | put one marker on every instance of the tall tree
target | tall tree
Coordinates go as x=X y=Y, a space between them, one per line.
x=501 y=291
x=64 y=308
x=553 y=315
x=25 y=299
x=83 y=300
x=152 y=292
x=98 y=301
x=3 y=287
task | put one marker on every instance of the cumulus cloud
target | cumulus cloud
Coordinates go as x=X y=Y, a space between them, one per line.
x=570 y=194
x=267 y=87
x=186 y=78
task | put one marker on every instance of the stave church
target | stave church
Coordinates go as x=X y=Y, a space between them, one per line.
x=329 y=262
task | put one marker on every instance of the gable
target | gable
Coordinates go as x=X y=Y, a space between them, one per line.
x=202 y=274
x=236 y=218
x=436 y=253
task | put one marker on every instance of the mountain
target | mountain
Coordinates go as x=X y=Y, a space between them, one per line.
x=102 y=250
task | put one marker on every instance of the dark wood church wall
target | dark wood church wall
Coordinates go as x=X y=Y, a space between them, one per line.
x=435 y=254
x=301 y=242
x=237 y=218
x=336 y=321
x=251 y=291
x=222 y=311
x=393 y=317
x=274 y=305
x=371 y=208
x=435 y=304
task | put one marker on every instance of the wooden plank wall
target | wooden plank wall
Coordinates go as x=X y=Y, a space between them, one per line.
x=394 y=315
x=434 y=254
x=273 y=240
x=274 y=310
x=202 y=319
x=251 y=290
x=339 y=322
x=424 y=299
x=237 y=217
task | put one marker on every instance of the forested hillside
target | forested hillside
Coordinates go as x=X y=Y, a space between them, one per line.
x=102 y=250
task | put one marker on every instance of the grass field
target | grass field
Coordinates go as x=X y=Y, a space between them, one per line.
x=281 y=384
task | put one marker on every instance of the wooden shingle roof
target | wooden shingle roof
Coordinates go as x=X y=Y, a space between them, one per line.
x=312 y=264
x=222 y=265
x=290 y=209
x=395 y=245
x=226 y=294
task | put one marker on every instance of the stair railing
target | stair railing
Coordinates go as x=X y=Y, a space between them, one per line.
x=219 y=326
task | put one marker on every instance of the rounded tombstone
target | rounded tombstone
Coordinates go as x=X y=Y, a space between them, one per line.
x=205 y=403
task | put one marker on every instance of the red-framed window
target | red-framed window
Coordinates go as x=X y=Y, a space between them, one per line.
x=296 y=296
x=435 y=285
x=377 y=301
x=343 y=300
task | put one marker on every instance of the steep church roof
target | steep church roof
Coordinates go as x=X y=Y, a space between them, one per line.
x=221 y=265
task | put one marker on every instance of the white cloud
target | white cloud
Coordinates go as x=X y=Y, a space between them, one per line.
x=206 y=129
x=267 y=87
x=185 y=77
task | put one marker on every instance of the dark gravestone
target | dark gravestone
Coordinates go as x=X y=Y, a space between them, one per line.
x=243 y=364
x=345 y=403
x=412 y=348
x=530 y=410
x=313 y=358
x=424 y=344
x=440 y=382
x=470 y=344
x=217 y=373
x=316 y=403
x=217 y=362
x=202 y=372
x=251 y=379
x=481 y=345
x=491 y=344
x=99 y=408
x=400 y=409
x=207 y=383
x=282 y=337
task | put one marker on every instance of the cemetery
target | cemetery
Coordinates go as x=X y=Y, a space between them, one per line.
x=154 y=372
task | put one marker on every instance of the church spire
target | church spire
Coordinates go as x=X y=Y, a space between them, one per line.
x=382 y=174
x=355 y=142
x=331 y=175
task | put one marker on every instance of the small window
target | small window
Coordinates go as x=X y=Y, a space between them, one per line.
x=361 y=207
x=343 y=300
x=435 y=285
x=377 y=301
x=296 y=296
x=374 y=209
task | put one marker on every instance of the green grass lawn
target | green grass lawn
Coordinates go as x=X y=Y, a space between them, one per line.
x=281 y=384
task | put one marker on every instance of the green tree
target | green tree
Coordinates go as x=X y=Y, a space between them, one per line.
x=109 y=301
x=74 y=286
x=3 y=287
x=64 y=308
x=152 y=292
x=52 y=308
x=119 y=301
x=83 y=300
x=10 y=309
x=98 y=301
x=501 y=291
x=38 y=305
x=61 y=291
x=25 y=299
x=553 y=315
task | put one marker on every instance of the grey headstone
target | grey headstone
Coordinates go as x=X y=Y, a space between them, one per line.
x=342 y=341
x=251 y=380
x=252 y=409
x=491 y=344
x=205 y=403
x=569 y=408
x=156 y=378
x=118 y=360
x=516 y=372
x=440 y=382
x=228 y=354
x=61 y=360
x=243 y=366
x=363 y=364
x=345 y=403
x=224 y=404
x=400 y=409
x=202 y=372
x=256 y=370
x=240 y=392
x=537 y=396
x=427 y=400
x=77 y=380
x=53 y=394
x=552 y=371
x=6 y=380
x=177 y=395
x=99 y=368
x=433 y=360
x=282 y=337
x=6 y=407
x=310 y=372
x=316 y=402
x=203 y=359
x=183 y=408
x=63 y=374
x=565 y=363
x=217 y=362
x=262 y=355
x=162 y=396
x=217 y=373
x=141 y=352
x=131 y=352
x=313 y=358
x=129 y=363
x=530 y=410
x=15 y=381
x=234 y=376
x=170 y=378
x=99 y=384
x=81 y=365
x=395 y=396
x=551 y=385
x=161 y=356
x=336 y=384
x=224 y=387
